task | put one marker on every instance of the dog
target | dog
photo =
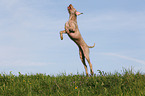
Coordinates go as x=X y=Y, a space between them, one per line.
x=71 y=28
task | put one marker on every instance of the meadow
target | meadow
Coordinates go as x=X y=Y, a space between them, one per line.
x=104 y=84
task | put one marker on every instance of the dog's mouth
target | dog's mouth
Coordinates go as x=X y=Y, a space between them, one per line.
x=70 y=7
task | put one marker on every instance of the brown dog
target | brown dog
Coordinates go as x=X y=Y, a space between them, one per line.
x=71 y=28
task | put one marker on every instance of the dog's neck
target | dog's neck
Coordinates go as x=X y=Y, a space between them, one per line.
x=73 y=17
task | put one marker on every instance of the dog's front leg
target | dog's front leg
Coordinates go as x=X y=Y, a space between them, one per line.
x=72 y=27
x=61 y=34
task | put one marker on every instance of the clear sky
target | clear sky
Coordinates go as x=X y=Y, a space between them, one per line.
x=30 y=41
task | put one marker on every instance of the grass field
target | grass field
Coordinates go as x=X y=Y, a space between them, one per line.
x=126 y=84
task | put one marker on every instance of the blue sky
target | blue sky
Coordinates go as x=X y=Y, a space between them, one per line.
x=30 y=42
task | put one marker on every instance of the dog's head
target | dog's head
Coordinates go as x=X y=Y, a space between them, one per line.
x=72 y=10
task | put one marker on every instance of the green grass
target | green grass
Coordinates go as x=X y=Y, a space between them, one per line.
x=126 y=84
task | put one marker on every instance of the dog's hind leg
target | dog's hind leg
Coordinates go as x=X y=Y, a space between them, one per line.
x=86 y=54
x=82 y=57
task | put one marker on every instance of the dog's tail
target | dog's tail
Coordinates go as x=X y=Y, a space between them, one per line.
x=92 y=46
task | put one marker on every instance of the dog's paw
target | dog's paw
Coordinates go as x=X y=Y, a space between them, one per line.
x=61 y=38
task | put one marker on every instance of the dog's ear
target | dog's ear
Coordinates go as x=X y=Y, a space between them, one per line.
x=78 y=13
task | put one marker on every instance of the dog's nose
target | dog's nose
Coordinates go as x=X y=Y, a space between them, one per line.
x=70 y=6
